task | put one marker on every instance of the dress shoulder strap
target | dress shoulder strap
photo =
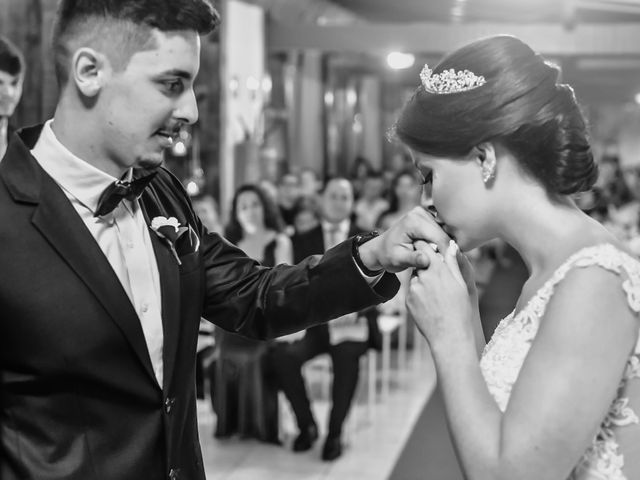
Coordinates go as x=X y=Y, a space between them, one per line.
x=605 y=256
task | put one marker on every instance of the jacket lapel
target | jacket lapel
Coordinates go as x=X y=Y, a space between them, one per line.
x=60 y=224
x=169 y=285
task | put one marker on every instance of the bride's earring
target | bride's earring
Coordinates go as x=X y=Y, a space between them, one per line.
x=489 y=169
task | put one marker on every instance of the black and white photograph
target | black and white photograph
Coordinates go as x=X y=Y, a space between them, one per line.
x=320 y=239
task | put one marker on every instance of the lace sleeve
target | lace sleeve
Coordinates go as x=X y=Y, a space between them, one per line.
x=605 y=256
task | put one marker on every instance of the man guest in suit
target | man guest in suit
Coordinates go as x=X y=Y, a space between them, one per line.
x=106 y=270
x=345 y=339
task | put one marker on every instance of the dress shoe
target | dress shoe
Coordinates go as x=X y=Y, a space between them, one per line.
x=332 y=449
x=304 y=441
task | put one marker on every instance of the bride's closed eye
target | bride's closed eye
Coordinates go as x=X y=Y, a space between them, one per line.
x=426 y=176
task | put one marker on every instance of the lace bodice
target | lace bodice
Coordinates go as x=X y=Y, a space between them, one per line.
x=506 y=351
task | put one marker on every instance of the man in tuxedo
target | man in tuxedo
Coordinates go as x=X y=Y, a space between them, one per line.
x=106 y=270
x=345 y=339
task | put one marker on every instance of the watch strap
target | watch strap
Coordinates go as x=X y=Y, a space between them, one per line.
x=358 y=240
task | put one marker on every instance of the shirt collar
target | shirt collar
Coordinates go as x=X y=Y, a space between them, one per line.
x=343 y=226
x=79 y=178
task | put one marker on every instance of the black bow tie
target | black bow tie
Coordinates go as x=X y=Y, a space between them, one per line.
x=119 y=190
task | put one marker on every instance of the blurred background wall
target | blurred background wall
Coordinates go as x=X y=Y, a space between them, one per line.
x=287 y=85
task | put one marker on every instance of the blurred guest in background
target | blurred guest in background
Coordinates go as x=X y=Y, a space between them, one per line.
x=255 y=225
x=309 y=183
x=11 y=80
x=269 y=188
x=399 y=161
x=306 y=214
x=371 y=203
x=244 y=398
x=404 y=193
x=345 y=339
x=360 y=170
x=611 y=182
x=206 y=209
x=287 y=194
x=615 y=199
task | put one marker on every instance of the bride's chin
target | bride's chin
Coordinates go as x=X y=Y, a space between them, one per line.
x=463 y=242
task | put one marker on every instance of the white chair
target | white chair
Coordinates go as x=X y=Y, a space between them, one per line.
x=387 y=324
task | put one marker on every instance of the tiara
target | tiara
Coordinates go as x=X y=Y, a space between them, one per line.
x=449 y=81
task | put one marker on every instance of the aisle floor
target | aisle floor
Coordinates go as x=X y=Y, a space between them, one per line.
x=373 y=442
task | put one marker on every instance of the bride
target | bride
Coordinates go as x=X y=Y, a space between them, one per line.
x=555 y=394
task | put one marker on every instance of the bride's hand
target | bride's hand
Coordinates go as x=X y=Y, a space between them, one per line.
x=439 y=297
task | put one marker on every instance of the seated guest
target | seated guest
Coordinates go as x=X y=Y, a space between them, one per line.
x=310 y=185
x=11 y=79
x=359 y=172
x=344 y=339
x=288 y=191
x=206 y=209
x=245 y=401
x=404 y=194
x=371 y=203
x=306 y=214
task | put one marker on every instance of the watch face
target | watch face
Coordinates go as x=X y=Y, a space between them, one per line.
x=365 y=237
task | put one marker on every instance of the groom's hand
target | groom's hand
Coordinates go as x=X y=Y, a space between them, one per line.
x=394 y=250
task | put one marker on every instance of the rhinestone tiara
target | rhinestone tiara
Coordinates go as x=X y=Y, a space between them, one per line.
x=449 y=81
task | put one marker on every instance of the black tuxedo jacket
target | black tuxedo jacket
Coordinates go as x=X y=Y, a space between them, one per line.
x=312 y=243
x=78 y=396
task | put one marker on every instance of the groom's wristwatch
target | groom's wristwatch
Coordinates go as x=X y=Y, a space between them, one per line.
x=357 y=241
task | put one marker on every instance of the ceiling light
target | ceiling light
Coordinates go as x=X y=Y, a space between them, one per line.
x=637 y=98
x=399 y=60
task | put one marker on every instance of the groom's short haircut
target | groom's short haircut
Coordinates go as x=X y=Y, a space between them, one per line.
x=11 y=59
x=119 y=28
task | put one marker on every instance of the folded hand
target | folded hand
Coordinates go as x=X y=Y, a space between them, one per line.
x=439 y=298
x=395 y=249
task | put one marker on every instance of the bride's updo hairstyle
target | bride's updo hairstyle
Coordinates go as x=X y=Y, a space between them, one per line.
x=520 y=106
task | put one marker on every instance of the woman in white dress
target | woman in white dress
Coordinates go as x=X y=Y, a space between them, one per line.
x=555 y=393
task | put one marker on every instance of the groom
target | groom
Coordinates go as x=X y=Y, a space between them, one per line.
x=106 y=270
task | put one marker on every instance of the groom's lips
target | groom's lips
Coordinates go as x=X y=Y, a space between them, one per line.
x=167 y=137
x=166 y=133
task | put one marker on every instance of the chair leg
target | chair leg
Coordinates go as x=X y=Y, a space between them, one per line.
x=402 y=346
x=372 y=380
x=386 y=364
x=417 y=348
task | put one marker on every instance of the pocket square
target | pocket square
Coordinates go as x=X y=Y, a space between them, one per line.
x=188 y=243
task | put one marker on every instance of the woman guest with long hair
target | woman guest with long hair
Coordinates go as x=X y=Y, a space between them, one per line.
x=404 y=194
x=245 y=400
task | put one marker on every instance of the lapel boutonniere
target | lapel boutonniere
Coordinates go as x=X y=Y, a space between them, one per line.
x=169 y=230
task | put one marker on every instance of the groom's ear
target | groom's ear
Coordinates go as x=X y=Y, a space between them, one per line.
x=90 y=69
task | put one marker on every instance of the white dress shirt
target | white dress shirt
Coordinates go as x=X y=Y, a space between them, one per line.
x=123 y=235
x=349 y=326
x=335 y=233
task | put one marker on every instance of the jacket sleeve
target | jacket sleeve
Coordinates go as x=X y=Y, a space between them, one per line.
x=242 y=296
